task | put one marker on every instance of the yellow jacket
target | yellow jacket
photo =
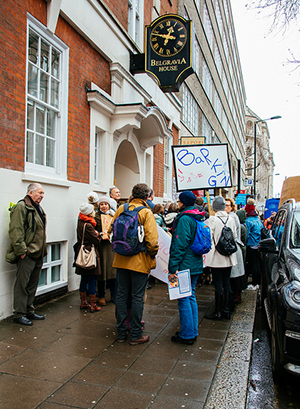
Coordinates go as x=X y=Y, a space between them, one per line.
x=142 y=262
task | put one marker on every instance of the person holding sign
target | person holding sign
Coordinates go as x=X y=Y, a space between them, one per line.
x=107 y=279
x=183 y=258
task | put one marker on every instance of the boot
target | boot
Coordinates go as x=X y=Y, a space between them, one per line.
x=226 y=310
x=94 y=306
x=84 y=302
x=101 y=301
x=216 y=316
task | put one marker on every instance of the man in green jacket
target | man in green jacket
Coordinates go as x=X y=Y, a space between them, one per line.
x=27 y=232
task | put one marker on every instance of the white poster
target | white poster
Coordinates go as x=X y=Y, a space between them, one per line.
x=162 y=257
x=201 y=167
x=180 y=286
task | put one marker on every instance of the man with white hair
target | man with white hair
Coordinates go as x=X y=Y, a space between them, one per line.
x=27 y=232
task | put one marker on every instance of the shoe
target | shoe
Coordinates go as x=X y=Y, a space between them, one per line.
x=101 y=301
x=35 y=316
x=23 y=321
x=142 y=340
x=179 y=340
x=121 y=340
x=226 y=315
x=216 y=316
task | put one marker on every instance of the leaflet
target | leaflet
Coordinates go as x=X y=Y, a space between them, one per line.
x=180 y=286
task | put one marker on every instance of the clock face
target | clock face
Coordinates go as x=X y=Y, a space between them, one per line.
x=168 y=37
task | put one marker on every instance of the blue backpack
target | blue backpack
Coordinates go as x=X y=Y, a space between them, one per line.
x=128 y=233
x=202 y=240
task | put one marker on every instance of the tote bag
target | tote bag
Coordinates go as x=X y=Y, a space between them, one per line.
x=86 y=258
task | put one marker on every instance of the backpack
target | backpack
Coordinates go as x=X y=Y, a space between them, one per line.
x=202 y=240
x=226 y=244
x=128 y=233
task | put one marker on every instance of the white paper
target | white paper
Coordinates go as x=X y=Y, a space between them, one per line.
x=180 y=287
x=162 y=257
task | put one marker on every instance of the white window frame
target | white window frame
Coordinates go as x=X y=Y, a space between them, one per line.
x=59 y=170
x=207 y=81
x=196 y=55
x=48 y=264
x=97 y=156
x=167 y=166
x=208 y=27
x=136 y=21
x=190 y=116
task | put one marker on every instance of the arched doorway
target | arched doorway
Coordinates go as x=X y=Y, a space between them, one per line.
x=126 y=171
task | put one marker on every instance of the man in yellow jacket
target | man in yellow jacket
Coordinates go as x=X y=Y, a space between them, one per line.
x=132 y=271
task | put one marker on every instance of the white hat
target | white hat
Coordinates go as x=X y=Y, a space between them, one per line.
x=92 y=197
x=86 y=208
x=105 y=199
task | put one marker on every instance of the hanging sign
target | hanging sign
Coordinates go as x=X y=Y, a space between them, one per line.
x=168 y=51
x=201 y=167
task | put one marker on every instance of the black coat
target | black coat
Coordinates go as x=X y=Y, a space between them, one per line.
x=90 y=237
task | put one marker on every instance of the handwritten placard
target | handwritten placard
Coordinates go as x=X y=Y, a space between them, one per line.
x=105 y=222
x=201 y=167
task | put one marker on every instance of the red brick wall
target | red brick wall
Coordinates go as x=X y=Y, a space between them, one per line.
x=158 y=165
x=85 y=66
x=120 y=9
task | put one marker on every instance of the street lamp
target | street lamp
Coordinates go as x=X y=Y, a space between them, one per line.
x=256 y=122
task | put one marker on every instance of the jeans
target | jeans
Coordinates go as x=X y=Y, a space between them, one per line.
x=89 y=280
x=131 y=284
x=188 y=313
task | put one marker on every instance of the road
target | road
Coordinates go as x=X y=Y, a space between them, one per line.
x=262 y=392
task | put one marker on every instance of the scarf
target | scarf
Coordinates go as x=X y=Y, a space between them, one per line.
x=87 y=219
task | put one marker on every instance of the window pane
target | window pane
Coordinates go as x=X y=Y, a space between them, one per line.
x=33 y=47
x=55 y=63
x=55 y=274
x=39 y=150
x=54 y=93
x=32 y=80
x=29 y=147
x=30 y=115
x=50 y=146
x=43 y=277
x=51 y=123
x=55 y=252
x=44 y=64
x=40 y=119
x=44 y=85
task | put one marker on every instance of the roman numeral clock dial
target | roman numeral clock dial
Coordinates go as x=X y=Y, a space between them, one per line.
x=168 y=37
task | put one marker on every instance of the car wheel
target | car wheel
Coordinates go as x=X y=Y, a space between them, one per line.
x=277 y=369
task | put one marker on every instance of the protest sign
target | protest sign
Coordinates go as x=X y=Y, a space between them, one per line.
x=201 y=167
x=180 y=286
x=162 y=257
x=105 y=222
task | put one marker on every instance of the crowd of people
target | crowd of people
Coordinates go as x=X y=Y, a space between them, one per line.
x=125 y=277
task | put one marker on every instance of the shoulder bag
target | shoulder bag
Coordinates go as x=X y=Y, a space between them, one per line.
x=86 y=258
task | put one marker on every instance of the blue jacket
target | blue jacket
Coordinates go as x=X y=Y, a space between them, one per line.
x=254 y=226
x=181 y=256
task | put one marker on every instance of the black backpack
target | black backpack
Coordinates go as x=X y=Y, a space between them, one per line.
x=226 y=244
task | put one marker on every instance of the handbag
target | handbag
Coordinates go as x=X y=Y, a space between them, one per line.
x=86 y=258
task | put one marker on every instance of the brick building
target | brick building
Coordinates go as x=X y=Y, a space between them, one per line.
x=74 y=119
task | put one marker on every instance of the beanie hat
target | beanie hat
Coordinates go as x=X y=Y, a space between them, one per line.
x=249 y=208
x=187 y=198
x=92 y=197
x=86 y=208
x=105 y=199
x=218 y=203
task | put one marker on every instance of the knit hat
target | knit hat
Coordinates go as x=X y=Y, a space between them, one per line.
x=218 y=203
x=86 y=208
x=105 y=199
x=187 y=198
x=249 y=208
x=92 y=197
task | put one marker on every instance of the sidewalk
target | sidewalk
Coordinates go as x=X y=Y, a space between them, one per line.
x=72 y=359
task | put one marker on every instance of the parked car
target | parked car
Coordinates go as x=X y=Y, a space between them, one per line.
x=280 y=292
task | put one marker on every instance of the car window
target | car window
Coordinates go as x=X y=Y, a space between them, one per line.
x=295 y=231
x=278 y=226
